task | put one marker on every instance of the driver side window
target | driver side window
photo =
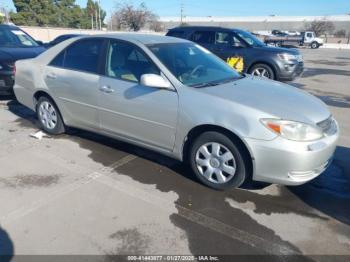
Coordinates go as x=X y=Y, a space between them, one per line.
x=127 y=62
x=236 y=42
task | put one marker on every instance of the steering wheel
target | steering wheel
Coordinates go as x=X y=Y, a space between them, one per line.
x=195 y=70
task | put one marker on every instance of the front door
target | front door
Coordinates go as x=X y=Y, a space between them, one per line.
x=229 y=48
x=140 y=113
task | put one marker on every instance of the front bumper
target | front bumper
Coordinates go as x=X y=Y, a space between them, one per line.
x=6 y=83
x=281 y=161
x=290 y=71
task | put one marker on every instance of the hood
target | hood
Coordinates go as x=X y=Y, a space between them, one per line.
x=17 y=53
x=279 y=50
x=274 y=98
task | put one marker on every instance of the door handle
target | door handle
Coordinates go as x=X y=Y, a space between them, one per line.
x=51 y=75
x=106 y=89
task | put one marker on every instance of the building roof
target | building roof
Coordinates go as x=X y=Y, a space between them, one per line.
x=272 y=18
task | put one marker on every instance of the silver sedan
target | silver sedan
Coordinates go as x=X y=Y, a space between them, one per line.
x=177 y=98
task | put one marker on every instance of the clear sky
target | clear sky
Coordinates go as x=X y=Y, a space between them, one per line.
x=232 y=7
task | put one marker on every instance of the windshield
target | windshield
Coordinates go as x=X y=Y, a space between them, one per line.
x=249 y=38
x=193 y=65
x=11 y=37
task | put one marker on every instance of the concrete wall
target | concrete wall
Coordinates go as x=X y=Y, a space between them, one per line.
x=46 y=34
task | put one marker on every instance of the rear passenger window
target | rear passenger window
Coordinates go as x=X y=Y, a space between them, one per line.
x=58 y=60
x=203 y=37
x=175 y=33
x=82 y=56
x=222 y=38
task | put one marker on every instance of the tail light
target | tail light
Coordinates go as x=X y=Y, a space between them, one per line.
x=14 y=69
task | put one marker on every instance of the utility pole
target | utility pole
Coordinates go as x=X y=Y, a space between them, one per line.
x=182 y=12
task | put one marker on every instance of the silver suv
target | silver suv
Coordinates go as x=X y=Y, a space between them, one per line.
x=175 y=97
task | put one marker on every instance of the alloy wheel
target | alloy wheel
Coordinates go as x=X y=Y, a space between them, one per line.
x=48 y=115
x=262 y=72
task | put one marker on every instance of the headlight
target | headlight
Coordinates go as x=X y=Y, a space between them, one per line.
x=287 y=57
x=292 y=130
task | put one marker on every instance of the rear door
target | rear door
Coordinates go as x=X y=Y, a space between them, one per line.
x=73 y=78
x=128 y=109
x=205 y=38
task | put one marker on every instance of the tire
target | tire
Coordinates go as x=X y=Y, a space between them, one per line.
x=262 y=68
x=210 y=167
x=314 y=45
x=49 y=116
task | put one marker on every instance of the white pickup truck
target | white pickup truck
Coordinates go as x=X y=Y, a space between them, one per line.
x=307 y=38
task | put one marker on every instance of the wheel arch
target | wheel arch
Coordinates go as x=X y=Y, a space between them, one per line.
x=198 y=130
x=41 y=93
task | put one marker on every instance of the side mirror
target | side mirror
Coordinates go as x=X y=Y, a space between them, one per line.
x=40 y=42
x=157 y=81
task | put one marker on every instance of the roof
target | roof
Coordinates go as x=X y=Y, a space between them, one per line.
x=9 y=26
x=184 y=28
x=145 y=39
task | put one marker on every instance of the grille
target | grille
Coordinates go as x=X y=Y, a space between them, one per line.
x=328 y=126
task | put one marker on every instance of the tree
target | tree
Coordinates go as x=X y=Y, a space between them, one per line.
x=340 y=33
x=156 y=26
x=68 y=13
x=59 y=13
x=320 y=27
x=34 y=12
x=130 y=17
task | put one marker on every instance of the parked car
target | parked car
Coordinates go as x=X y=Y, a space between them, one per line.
x=177 y=98
x=304 y=39
x=245 y=52
x=15 y=44
x=60 y=39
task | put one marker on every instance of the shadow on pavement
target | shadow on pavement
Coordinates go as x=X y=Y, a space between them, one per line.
x=6 y=246
x=325 y=71
x=329 y=98
x=330 y=192
x=7 y=97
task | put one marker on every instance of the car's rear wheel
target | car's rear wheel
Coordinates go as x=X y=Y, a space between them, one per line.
x=49 y=117
x=218 y=161
x=262 y=70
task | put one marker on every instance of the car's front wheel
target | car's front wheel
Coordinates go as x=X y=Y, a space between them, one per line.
x=262 y=70
x=218 y=161
x=49 y=117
